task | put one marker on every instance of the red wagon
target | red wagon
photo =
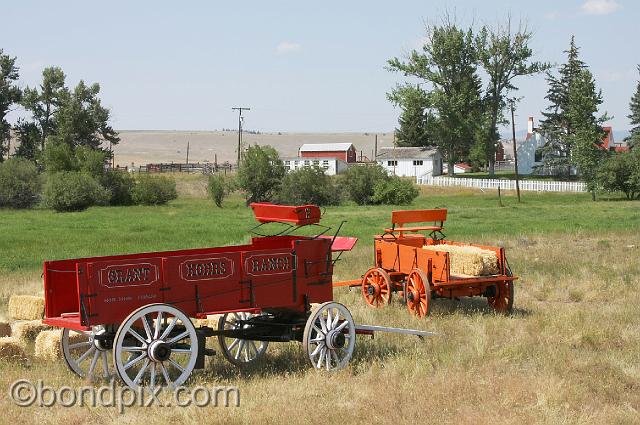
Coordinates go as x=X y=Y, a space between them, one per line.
x=132 y=313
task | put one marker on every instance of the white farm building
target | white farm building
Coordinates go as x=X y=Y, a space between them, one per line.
x=331 y=166
x=411 y=161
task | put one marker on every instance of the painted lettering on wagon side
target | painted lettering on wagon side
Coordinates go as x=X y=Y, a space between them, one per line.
x=128 y=275
x=206 y=268
x=268 y=264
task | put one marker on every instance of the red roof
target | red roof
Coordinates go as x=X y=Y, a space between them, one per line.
x=607 y=139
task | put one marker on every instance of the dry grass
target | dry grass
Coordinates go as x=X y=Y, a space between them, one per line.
x=47 y=345
x=570 y=353
x=26 y=307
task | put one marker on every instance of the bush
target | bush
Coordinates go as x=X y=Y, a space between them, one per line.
x=308 y=185
x=358 y=182
x=621 y=173
x=395 y=191
x=73 y=191
x=219 y=187
x=260 y=173
x=58 y=156
x=120 y=185
x=154 y=190
x=19 y=183
x=91 y=161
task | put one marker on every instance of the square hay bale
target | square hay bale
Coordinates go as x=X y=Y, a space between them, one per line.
x=5 y=329
x=47 y=345
x=26 y=307
x=468 y=260
x=28 y=330
x=11 y=348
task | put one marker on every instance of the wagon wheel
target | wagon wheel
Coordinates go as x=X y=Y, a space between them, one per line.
x=376 y=287
x=502 y=302
x=418 y=293
x=155 y=343
x=329 y=336
x=87 y=356
x=238 y=351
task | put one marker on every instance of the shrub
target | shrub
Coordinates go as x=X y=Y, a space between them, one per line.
x=621 y=173
x=260 y=173
x=19 y=183
x=58 y=156
x=359 y=181
x=73 y=191
x=120 y=185
x=219 y=187
x=91 y=161
x=154 y=190
x=395 y=191
x=308 y=185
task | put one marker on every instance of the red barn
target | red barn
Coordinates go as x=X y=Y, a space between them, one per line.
x=343 y=151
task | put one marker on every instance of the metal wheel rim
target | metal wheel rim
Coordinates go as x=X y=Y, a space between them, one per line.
x=239 y=352
x=379 y=280
x=418 y=286
x=325 y=322
x=134 y=363
x=83 y=355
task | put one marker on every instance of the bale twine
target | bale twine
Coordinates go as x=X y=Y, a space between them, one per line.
x=26 y=307
x=5 y=329
x=47 y=346
x=11 y=348
x=28 y=330
x=468 y=260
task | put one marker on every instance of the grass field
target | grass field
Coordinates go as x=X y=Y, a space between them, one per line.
x=570 y=353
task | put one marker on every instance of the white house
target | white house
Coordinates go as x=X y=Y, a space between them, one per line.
x=331 y=166
x=411 y=161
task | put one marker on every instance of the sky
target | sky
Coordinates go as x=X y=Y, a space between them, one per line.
x=300 y=66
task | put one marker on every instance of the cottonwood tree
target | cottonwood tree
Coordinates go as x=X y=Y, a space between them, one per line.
x=504 y=55
x=556 y=125
x=447 y=63
x=260 y=173
x=634 y=138
x=45 y=101
x=10 y=94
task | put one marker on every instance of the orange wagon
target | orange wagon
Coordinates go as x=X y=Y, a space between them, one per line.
x=418 y=267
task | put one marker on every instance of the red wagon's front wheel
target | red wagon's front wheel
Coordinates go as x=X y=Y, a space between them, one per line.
x=376 y=287
x=502 y=302
x=418 y=293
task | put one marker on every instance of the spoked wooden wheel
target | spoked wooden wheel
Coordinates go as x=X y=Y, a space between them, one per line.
x=156 y=343
x=87 y=356
x=418 y=293
x=329 y=336
x=502 y=302
x=376 y=287
x=238 y=351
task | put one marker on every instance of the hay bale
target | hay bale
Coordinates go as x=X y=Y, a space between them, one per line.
x=468 y=260
x=47 y=345
x=5 y=329
x=28 y=330
x=26 y=307
x=12 y=348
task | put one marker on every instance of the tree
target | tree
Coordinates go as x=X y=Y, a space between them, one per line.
x=415 y=116
x=358 y=183
x=45 y=103
x=586 y=131
x=621 y=173
x=448 y=64
x=308 y=185
x=260 y=173
x=28 y=136
x=504 y=56
x=634 y=138
x=556 y=126
x=9 y=95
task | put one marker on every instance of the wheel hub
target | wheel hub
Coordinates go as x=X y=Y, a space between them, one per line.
x=159 y=351
x=335 y=339
x=410 y=295
x=371 y=289
x=102 y=344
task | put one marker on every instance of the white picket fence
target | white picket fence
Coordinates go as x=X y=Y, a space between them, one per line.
x=529 y=185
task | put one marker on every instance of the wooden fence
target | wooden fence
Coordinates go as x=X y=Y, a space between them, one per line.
x=203 y=168
x=528 y=185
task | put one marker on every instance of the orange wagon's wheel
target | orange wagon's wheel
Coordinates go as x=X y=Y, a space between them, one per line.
x=418 y=293
x=502 y=302
x=376 y=287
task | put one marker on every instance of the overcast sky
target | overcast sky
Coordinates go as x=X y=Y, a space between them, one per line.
x=300 y=66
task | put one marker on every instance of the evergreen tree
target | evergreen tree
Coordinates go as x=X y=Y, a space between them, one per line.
x=414 y=119
x=28 y=135
x=634 y=138
x=556 y=126
x=9 y=95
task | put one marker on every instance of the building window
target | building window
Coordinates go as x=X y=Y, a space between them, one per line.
x=538 y=156
x=306 y=162
x=287 y=162
x=316 y=162
x=417 y=162
x=325 y=163
x=392 y=163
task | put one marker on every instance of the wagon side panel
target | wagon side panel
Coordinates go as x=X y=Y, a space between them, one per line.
x=267 y=276
x=314 y=271
x=60 y=288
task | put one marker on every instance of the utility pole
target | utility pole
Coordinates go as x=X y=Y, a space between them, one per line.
x=240 y=109
x=515 y=151
x=187 y=152
x=375 y=148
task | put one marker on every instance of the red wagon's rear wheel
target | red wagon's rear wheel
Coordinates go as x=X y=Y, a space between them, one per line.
x=376 y=287
x=503 y=300
x=240 y=352
x=418 y=293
